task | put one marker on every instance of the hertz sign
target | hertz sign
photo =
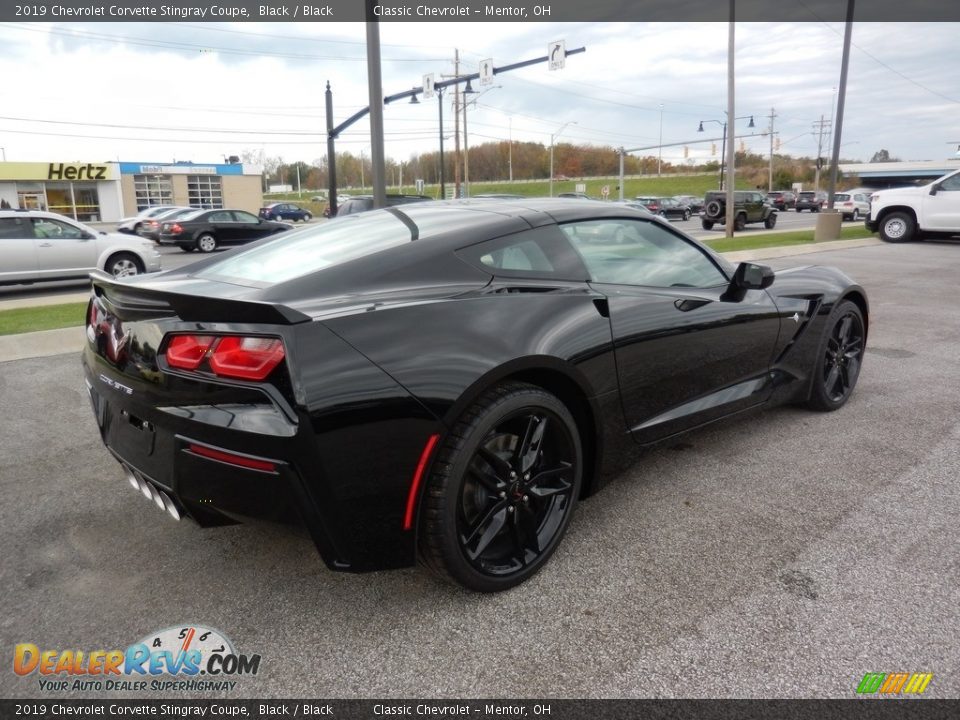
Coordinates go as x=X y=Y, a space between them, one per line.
x=40 y=171
x=63 y=171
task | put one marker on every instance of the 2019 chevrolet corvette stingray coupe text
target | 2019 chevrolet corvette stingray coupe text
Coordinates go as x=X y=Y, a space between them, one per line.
x=445 y=381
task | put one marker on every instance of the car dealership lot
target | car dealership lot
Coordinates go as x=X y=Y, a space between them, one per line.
x=784 y=554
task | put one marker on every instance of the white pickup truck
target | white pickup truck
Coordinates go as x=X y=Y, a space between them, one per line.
x=903 y=214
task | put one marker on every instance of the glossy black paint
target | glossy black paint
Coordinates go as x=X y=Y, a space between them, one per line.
x=384 y=351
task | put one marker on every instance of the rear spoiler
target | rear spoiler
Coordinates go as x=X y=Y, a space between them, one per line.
x=138 y=302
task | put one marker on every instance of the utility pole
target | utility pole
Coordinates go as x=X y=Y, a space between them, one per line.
x=456 y=125
x=375 y=93
x=773 y=114
x=510 y=149
x=844 y=65
x=821 y=125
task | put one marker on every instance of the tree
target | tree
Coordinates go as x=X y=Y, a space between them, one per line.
x=883 y=156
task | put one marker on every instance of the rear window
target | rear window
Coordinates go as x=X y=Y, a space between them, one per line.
x=843 y=197
x=301 y=252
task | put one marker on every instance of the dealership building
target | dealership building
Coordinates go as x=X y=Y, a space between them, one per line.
x=109 y=191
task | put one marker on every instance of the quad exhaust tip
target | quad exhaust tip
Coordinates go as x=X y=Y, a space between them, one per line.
x=159 y=497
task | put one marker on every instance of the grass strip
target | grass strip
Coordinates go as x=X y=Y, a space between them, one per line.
x=43 y=317
x=768 y=240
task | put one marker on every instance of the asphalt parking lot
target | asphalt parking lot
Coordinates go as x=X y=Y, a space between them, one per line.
x=783 y=554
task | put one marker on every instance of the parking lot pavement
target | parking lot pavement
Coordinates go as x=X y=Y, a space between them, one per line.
x=782 y=554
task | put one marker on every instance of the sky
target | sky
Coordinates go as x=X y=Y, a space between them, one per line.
x=163 y=92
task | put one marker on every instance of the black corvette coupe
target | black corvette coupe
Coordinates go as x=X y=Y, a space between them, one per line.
x=444 y=381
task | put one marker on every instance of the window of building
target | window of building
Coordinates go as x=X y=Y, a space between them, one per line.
x=152 y=190
x=204 y=191
x=76 y=200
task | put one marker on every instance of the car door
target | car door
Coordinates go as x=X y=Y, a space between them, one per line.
x=249 y=226
x=223 y=225
x=941 y=211
x=18 y=255
x=685 y=353
x=63 y=249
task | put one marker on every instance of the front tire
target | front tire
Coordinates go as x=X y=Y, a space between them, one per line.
x=856 y=215
x=124 y=265
x=307 y=217
x=897 y=227
x=502 y=489
x=706 y=225
x=839 y=358
x=686 y=214
x=771 y=222
x=740 y=222
x=206 y=243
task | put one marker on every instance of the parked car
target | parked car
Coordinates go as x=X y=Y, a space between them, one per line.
x=666 y=207
x=497 y=196
x=912 y=213
x=206 y=230
x=132 y=225
x=150 y=228
x=36 y=246
x=812 y=200
x=749 y=207
x=362 y=203
x=285 y=211
x=692 y=201
x=573 y=195
x=782 y=199
x=852 y=206
x=448 y=381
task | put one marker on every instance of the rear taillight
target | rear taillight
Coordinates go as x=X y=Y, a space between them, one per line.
x=92 y=314
x=176 y=228
x=231 y=356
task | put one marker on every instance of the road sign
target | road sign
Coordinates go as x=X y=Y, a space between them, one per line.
x=428 y=86
x=419 y=185
x=557 y=54
x=486 y=71
x=605 y=191
x=580 y=187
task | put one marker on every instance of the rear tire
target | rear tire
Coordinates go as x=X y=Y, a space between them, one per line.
x=686 y=214
x=706 y=225
x=839 y=358
x=307 y=217
x=740 y=222
x=856 y=215
x=206 y=243
x=897 y=227
x=502 y=489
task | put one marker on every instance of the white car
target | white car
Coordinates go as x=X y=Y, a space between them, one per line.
x=852 y=206
x=132 y=224
x=37 y=246
x=903 y=214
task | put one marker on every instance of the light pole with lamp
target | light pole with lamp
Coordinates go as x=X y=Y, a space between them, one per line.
x=723 y=152
x=554 y=136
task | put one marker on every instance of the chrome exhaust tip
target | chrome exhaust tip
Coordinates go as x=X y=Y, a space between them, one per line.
x=131 y=478
x=155 y=496
x=169 y=505
x=143 y=485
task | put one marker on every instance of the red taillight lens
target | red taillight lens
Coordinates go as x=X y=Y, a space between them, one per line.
x=92 y=314
x=233 y=356
x=176 y=228
x=247 y=358
x=186 y=352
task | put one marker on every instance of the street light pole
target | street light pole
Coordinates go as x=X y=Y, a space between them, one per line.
x=723 y=153
x=660 y=142
x=553 y=136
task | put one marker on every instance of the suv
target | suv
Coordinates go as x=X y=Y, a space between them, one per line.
x=902 y=214
x=749 y=207
x=360 y=203
x=812 y=200
x=40 y=246
x=782 y=199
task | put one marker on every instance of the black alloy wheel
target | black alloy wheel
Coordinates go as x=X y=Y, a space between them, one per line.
x=840 y=359
x=503 y=489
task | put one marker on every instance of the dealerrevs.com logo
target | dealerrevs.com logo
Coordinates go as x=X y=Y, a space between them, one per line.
x=898 y=683
x=184 y=658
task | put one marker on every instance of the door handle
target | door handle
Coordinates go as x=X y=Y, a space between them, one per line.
x=688 y=304
x=46 y=244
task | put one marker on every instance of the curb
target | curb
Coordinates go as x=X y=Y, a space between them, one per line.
x=68 y=340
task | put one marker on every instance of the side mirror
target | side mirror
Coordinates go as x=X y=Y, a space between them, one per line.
x=751 y=276
x=747 y=276
x=934 y=188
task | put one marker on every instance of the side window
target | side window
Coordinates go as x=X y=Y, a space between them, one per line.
x=244 y=217
x=15 y=228
x=47 y=228
x=221 y=217
x=538 y=253
x=951 y=183
x=636 y=252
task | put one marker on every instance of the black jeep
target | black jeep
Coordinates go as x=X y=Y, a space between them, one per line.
x=749 y=207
